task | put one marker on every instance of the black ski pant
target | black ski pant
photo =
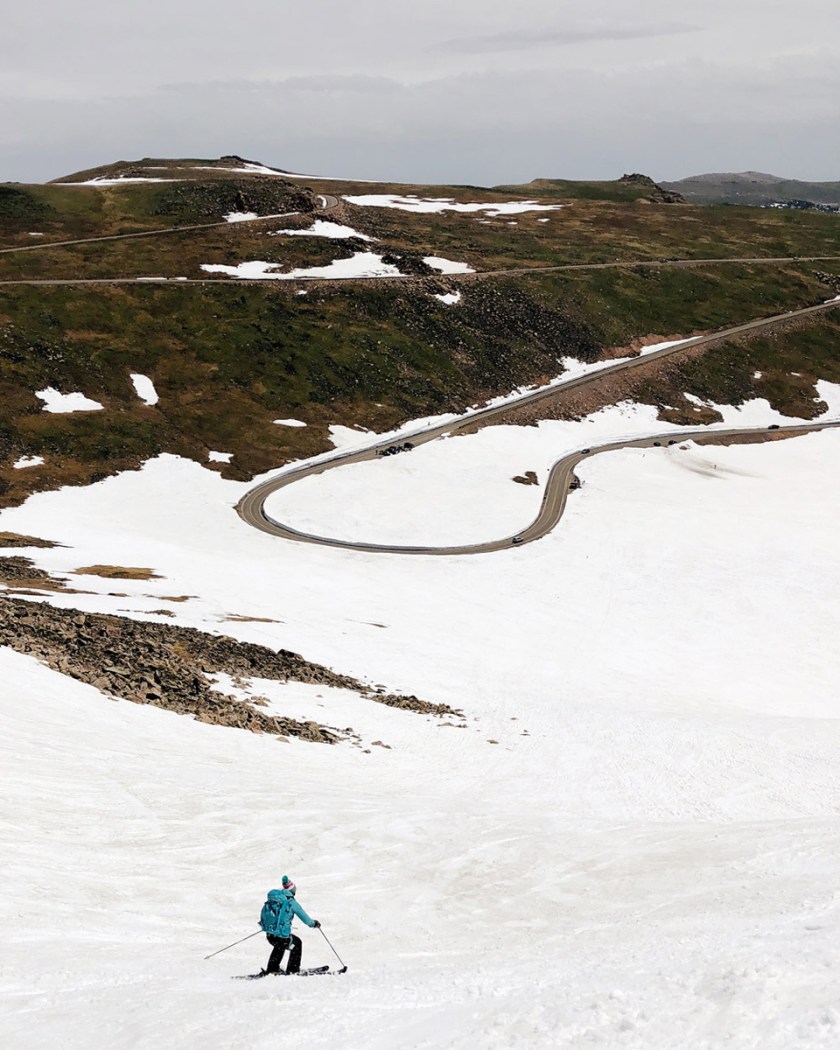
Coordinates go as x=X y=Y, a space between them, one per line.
x=279 y=946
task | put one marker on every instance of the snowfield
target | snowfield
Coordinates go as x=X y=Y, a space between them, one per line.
x=361 y=264
x=436 y=205
x=633 y=843
x=55 y=401
x=144 y=388
x=321 y=228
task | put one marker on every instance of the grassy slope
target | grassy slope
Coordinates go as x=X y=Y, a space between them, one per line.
x=227 y=360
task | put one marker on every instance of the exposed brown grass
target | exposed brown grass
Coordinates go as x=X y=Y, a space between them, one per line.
x=15 y=539
x=117 y=572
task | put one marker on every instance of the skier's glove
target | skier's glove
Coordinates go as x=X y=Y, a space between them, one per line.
x=316 y=925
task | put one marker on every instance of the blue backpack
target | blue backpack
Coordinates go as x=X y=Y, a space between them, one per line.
x=276 y=914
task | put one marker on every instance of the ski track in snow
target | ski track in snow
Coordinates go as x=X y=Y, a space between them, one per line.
x=647 y=856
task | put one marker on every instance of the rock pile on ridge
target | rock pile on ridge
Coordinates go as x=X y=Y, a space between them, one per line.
x=170 y=667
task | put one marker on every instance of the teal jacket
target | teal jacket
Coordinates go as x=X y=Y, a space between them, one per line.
x=277 y=920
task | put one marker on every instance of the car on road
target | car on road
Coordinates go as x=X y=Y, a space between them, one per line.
x=393 y=450
x=773 y=426
x=516 y=539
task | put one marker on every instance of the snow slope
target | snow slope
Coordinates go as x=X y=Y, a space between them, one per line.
x=632 y=844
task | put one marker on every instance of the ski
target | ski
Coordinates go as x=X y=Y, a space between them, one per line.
x=301 y=973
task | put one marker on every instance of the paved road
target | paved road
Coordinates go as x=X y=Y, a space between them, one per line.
x=329 y=202
x=252 y=506
x=526 y=271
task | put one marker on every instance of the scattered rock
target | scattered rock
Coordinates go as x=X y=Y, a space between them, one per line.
x=169 y=666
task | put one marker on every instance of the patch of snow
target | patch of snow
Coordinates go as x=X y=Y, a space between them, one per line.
x=145 y=388
x=54 y=401
x=301 y=291
x=447 y=265
x=241 y=216
x=220 y=457
x=288 y=423
x=362 y=264
x=31 y=234
x=27 y=461
x=151 y=278
x=449 y=298
x=543 y=220
x=433 y=205
x=322 y=228
x=102 y=180
x=757 y=375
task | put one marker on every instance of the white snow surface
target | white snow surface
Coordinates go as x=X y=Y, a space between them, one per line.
x=646 y=857
x=118 y=180
x=55 y=401
x=145 y=388
x=449 y=298
x=447 y=265
x=321 y=228
x=288 y=423
x=361 y=264
x=241 y=216
x=220 y=457
x=27 y=461
x=435 y=205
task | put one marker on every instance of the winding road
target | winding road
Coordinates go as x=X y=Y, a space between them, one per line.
x=326 y=203
x=251 y=507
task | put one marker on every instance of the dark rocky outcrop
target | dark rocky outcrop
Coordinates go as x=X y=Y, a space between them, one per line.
x=658 y=194
x=169 y=666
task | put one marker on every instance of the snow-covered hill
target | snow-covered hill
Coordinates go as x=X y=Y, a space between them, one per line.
x=633 y=842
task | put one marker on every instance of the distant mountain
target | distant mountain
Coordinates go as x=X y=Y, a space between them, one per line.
x=752 y=187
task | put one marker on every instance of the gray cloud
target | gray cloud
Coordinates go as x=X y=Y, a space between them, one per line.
x=523 y=41
x=368 y=90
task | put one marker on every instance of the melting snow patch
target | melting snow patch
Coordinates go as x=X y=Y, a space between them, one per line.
x=430 y=205
x=54 y=401
x=757 y=375
x=449 y=298
x=320 y=228
x=118 y=181
x=362 y=264
x=28 y=461
x=241 y=216
x=220 y=457
x=447 y=265
x=288 y=423
x=145 y=388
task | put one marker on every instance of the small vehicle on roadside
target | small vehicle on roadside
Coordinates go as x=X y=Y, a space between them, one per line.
x=392 y=450
x=516 y=539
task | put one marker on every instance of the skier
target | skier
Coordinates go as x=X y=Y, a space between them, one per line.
x=276 y=919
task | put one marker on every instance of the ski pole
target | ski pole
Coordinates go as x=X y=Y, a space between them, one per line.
x=326 y=938
x=219 y=952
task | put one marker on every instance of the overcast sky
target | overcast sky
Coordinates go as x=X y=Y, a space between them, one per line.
x=479 y=91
